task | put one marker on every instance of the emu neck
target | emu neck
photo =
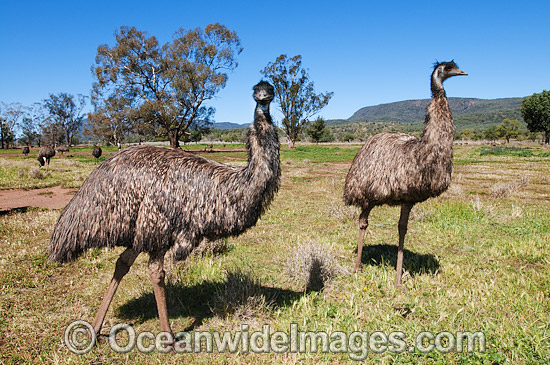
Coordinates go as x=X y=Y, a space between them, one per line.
x=437 y=86
x=263 y=168
x=438 y=126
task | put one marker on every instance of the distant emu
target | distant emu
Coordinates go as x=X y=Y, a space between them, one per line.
x=151 y=199
x=45 y=154
x=96 y=152
x=398 y=169
x=62 y=149
x=26 y=150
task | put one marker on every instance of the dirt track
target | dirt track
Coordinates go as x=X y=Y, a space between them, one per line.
x=51 y=198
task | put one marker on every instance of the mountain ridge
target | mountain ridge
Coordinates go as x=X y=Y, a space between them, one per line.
x=411 y=111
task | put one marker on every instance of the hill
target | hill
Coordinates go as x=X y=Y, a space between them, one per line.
x=466 y=111
x=228 y=125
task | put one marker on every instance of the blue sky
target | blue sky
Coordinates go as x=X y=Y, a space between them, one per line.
x=366 y=52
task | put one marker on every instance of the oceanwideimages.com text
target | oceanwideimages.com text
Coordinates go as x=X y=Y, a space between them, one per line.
x=80 y=338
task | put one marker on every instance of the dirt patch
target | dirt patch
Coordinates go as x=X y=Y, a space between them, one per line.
x=50 y=198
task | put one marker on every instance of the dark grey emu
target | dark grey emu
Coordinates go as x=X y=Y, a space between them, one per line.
x=398 y=169
x=96 y=152
x=62 y=149
x=45 y=154
x=26 y=150
x=150 y=199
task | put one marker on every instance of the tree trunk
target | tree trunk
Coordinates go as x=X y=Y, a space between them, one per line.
x=291 y=143
x=546 y=138
x=174 y=140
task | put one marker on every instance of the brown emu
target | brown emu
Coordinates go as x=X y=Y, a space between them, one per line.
x=62 y=149
x=150 y=199
x=45 y=154
x=26 y=150
x=398 y=169
x=96 y=152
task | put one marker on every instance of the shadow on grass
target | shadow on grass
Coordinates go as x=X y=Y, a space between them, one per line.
x=414 y=263
x=13 y=210
x=194 y=301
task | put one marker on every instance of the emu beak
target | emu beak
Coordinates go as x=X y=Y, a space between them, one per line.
x=459 y=72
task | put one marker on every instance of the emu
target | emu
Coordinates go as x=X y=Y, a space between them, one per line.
x=62 y=149
x=398 y=169
x=26 y=150
x=96 y=152
x=152 y=199
x=45 y=154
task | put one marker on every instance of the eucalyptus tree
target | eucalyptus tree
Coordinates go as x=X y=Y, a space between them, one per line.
x=65 y=112
x=167 y=86
x=112 y=119
x=295 y=94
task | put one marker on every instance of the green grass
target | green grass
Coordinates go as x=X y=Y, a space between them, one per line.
x=316 y=153
x=511 y=151
x=473 y=263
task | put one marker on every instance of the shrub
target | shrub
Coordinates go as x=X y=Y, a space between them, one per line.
x=313 y=265
x=503 y=189
x=36 y=173
x=343 y=213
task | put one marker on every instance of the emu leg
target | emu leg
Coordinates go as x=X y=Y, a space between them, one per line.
x=123 y=264
x=156 y=273
x=363 y=224
x=403 y=222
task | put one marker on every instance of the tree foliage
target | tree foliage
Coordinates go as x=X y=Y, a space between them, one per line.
x=318 y=131
x=9 y=117
x=29 y=132
x=111 y=120
x=536 y=113
x=167 y=85
x=295 y=94
x=66 y=113
x=509 y=128
x=491 y=133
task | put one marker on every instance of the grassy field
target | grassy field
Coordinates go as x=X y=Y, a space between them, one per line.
x=477 y=258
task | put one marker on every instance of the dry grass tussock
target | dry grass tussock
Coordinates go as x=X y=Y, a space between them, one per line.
x=479 y=206
x=343 y=213
x=313 y=265
x=420 y=213
x=456 y=190
x=36 y=173
x=503 y=189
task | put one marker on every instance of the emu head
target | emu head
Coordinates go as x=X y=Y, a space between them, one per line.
x=444 y=70
x=263 y=93
x=42 y=161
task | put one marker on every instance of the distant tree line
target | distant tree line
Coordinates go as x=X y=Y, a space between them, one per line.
x=318 y=132
x=56 y=120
